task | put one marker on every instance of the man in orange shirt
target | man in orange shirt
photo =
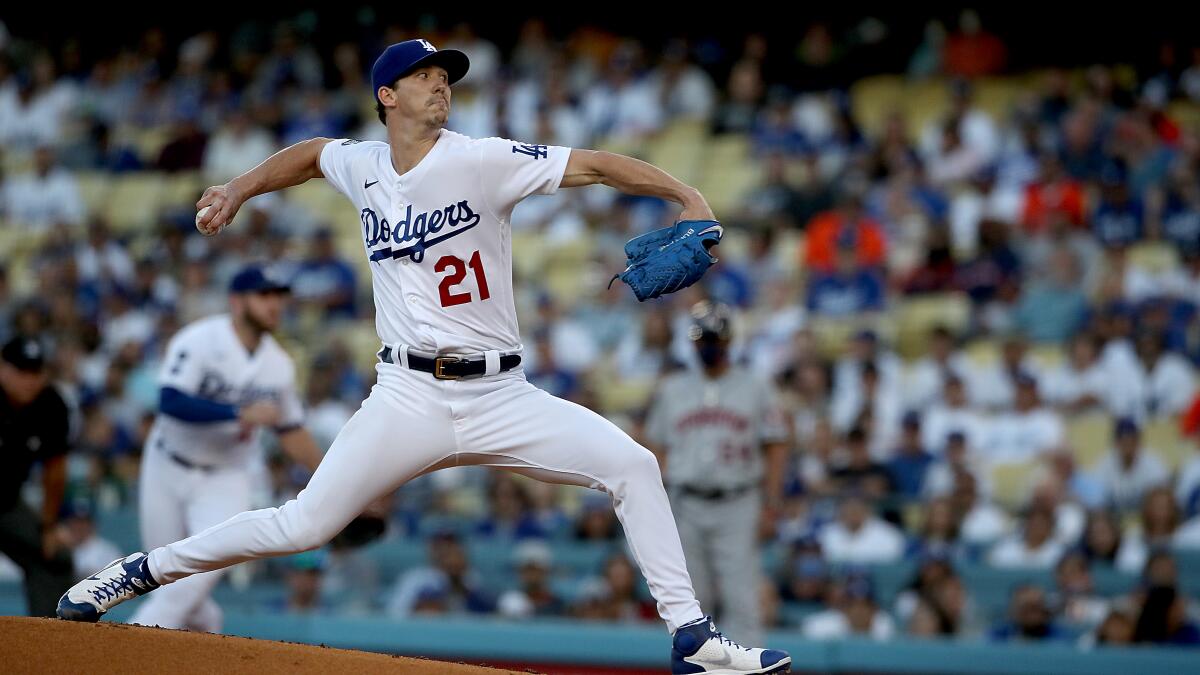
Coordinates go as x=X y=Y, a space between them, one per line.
x=845 y=226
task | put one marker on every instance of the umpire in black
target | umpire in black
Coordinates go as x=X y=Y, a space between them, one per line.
x=34 y=428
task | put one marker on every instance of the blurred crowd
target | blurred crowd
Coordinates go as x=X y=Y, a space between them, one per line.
x=1067 y=226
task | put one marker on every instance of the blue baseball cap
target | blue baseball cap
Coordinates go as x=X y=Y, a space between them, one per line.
x=257 y=279
x=1126 y=426
x=404 y=57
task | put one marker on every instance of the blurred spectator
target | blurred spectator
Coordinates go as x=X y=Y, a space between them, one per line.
x=535 y=597
x=971 y=51
x=89 y=550
x=185 y=149
x=983 y=522
x=447 y=585
x=1033 y=548
x=1026 y=432
x=848 y=290
x=485 y=57
x=1164 y=621
x=744 y=91
x=861 y=475
x=1160 y=520
x=103 y=261
x=1054 y=199
x=1103 y=543
x=622 y=104
x=684 y=90
x=1130 y=471
x=873 y=407
x=1083 y=382
x=324 y=281
x=939 y=536
x=806 y=576
x=236 y=147
x=304 y=581
x=547 y=374
x=573 y=346
x=856 y=614
x=952 y=415
x=615 y=596
x=926 y=379
x=1030 y=618
x=597 y=522
x=776 y=202
x=325 y=414
x=847 y=228
x=860 y=537
x=43 y=197
x=1117 y=629
x=910 y=461
x=1075 y=598
x=1119 y=219
x=35 y=110
x=1165 y=380
x=1052 y=310
x=509 y=515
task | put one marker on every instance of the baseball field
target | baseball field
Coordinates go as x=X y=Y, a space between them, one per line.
x=48 y=646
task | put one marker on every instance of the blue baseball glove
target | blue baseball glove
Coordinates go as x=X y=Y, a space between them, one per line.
x=666 y=260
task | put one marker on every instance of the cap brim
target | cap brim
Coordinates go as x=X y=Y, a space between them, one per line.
x=455 y=62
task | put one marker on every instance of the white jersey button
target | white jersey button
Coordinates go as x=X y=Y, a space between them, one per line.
x=412 y=299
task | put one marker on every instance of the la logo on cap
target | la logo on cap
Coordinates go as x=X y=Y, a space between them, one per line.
x=427 y=45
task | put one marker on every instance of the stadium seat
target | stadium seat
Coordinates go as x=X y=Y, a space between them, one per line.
x=133 y=202
x=1154 y=257
x=982 y=352
x=1012 y=481
x=1047 y=356
x=94 y=188
x=874 y=98
x=1163 y=435
x=1090 y=436
x=916 y=317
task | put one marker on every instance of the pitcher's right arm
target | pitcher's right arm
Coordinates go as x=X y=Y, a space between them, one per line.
x=291 y=166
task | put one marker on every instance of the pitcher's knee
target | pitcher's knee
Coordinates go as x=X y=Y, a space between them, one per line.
x=637 y=464
x=302 y=531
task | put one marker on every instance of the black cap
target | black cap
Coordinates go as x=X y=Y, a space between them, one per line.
x=257 y=279
x=25 y=353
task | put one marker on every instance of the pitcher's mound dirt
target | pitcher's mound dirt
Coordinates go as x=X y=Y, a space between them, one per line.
x=53 y=646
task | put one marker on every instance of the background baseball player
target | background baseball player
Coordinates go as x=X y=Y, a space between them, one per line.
x=434 y=207
x=223 y=380
x=712 y=428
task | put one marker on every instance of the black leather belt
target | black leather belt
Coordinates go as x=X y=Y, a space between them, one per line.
x=189 y=464
x=451 y=367
x=714 y=494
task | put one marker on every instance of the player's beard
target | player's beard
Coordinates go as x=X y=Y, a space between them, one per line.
x=259 y=327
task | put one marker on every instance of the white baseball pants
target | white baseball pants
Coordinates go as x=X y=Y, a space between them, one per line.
x=413 y=424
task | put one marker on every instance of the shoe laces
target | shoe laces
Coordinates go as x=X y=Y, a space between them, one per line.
x=724 y=640
x=117 y=588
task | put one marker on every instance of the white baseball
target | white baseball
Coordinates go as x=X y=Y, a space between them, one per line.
x=212 y=231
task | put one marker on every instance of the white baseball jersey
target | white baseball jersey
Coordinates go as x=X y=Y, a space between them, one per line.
x=207 y=360
x=438 y=236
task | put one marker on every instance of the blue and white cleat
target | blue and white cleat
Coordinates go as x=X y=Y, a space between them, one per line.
x=700 y=648
x=123 y=579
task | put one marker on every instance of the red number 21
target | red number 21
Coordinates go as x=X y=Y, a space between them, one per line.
x=458 y=273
